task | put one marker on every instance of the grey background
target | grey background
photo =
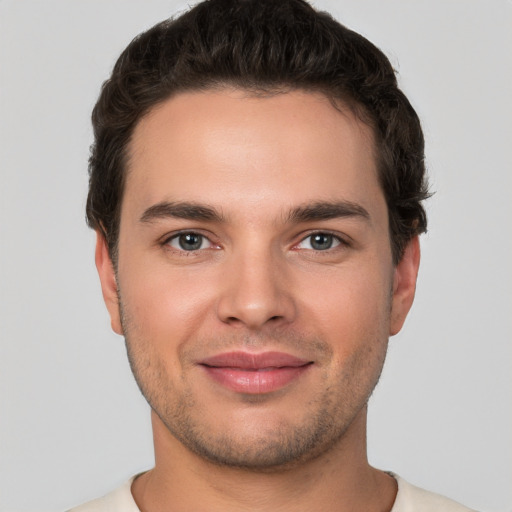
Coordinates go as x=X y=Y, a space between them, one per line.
x=72 y=422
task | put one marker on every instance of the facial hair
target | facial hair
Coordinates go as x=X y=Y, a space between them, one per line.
x=327 y=415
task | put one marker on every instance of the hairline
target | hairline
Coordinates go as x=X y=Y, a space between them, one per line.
x=344 y=104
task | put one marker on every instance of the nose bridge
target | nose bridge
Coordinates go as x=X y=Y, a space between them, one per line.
x=255 y=288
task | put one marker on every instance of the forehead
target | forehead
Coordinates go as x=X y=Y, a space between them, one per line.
x=236 y=150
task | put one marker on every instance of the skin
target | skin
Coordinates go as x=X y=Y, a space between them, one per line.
x=256 y=284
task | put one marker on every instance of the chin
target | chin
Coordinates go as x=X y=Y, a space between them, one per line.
x=260 y=445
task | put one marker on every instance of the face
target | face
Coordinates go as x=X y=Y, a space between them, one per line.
x=255 y=279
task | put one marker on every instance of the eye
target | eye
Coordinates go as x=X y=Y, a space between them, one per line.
x=319 y=242
x=189 y=242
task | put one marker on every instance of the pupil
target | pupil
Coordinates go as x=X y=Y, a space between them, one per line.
x=321 y=242
x=190 y=241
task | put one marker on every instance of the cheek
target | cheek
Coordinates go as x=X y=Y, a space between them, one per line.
x=350 y=307
x=165 y=305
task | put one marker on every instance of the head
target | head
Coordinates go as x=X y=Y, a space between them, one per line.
x=255 y=183
x=264 y=47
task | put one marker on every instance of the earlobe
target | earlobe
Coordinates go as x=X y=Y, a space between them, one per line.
x=108 y=282
x=404 y=285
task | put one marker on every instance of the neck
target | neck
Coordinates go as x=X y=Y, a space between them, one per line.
x=340 y=479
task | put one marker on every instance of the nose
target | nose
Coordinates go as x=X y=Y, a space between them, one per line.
x=256 y=291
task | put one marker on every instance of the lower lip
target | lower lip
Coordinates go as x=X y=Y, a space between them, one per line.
x=255 y=381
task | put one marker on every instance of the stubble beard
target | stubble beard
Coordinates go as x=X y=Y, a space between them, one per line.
x=324 y=425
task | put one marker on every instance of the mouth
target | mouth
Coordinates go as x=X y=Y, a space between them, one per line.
x=249 y=373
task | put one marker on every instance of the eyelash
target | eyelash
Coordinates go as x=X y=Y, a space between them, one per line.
x=336 y=239
x=184 y=252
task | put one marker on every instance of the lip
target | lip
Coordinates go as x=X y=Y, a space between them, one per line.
x=251 y=373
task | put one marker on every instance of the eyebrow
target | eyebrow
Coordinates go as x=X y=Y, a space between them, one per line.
x=325 y=210
x=181 y=210
x=310 y=212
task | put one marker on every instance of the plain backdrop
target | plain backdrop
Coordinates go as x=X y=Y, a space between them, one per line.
x=72 y=422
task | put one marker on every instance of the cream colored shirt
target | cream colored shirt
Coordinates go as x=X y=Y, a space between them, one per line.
x=408 y=499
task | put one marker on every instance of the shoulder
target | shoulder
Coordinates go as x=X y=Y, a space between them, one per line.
x=120 y=499
x=413 y=499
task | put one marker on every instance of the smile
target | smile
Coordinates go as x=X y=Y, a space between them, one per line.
x=244 y=372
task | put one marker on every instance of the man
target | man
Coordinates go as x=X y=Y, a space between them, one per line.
x=256 y=185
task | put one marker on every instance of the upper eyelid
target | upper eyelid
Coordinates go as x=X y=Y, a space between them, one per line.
x=165 y=243
x=342 y=238
x=170 y=236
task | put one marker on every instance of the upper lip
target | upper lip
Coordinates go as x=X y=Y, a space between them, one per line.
x=254 y=361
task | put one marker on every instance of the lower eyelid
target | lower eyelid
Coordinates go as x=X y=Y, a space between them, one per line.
x=337 y=240
x=175 y=238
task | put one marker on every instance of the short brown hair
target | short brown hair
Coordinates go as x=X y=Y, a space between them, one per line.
x=262 y=46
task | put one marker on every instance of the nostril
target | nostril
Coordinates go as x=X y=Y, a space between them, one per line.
x=233 y=320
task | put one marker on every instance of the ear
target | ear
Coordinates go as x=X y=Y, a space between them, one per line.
x=108 y=282
x=404 y=285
